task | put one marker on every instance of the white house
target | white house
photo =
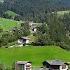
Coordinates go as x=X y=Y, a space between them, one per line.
x=23 y=40
x=55 y=65
x=33 y=26
x=23 y=65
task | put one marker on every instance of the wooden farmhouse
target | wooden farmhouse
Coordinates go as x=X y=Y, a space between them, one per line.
x=55 y=65
x=23 y=65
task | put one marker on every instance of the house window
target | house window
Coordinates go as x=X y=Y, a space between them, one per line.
x=63 y=66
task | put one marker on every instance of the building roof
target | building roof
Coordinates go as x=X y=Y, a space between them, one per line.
x=22 y=62
x=33 y=25
x=24 y=38
x=55 y=62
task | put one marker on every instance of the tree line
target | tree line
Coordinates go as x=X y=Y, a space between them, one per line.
x=56 y=31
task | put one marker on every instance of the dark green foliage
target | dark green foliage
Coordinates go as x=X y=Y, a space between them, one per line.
x=56 y=28
x=7 y=37
x=54 y=31
x=1 y=30
x=66 y=21
x=42 y=35
x=25 y=29
x=17 y=18
x=43 y=39
x=33 y=9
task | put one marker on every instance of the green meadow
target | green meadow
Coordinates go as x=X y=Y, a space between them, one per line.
x=33 y=53
x=7 y=24
x=63 y=12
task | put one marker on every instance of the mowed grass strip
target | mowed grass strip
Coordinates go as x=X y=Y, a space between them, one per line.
x=34 y=54
x=8 y=24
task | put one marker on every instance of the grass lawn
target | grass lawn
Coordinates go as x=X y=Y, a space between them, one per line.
x=34 y=54
x=7 y=24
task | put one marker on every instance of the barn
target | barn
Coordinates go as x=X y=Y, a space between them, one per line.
x=55 y=65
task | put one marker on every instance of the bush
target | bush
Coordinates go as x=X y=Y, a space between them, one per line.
x=63 y=45
x=17 y=18
x=1 y=29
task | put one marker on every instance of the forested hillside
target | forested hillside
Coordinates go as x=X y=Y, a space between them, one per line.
x=30 y=9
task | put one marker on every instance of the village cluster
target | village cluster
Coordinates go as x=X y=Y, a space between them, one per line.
x=26 y=40
x=47 y=65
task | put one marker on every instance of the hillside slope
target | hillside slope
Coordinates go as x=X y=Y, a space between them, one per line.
x=39 y=4
x=34 y=54
x=37 y=8
x=7 y=24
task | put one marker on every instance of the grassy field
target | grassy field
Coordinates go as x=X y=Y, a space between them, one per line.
x=61 y=13
x=34 y=54
x=7 y=24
